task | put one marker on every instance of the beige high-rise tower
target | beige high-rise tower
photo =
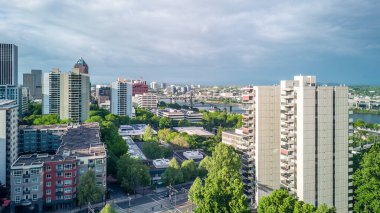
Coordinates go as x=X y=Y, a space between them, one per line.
x=259 y=141
x=75 y=96
x=314 y=142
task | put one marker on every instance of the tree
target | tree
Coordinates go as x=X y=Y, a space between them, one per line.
x=164 y=122
x=163 y=134
x=132 y=173
x=367 y=182
x=181 y=141
x=195 y=191
x=153 y=150
x=88 y=191
x=108 y=209
x=203 y=165
x=148 y=134
x=173 y=174
x=281 y=201
x=189 y=170
x=184 y=122
x=223 y=188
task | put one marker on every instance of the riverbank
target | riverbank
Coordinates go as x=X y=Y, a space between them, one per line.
x=366 y=111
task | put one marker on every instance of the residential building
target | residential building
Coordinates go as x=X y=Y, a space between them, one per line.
x=75 y=96
x=102 y=94
x=261 y=133
x=164 y=85
x=139 y=87
x=154 y=85
x=121 y=97
x=52 y=92
x=8 y=64
x=8 y=137
x=33 y=81
x=314 y=143
x=45 y=181
x=67 y=94
x=146 y=100
x=24 y=100
x=40 y=138
x=295 y=136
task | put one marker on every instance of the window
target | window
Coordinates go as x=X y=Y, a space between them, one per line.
x=81 y=171
x=48 y=168
x=17 y=173
x=59 y=174
x=99 y=169
x=59 y=190
x=18 y=198
x=48 y=199
x=35 y=171
x=67 y=197
x=18 y=189
x=18 y=181
x=59 y=167
x=99 y=161
x=48 y=176
x=68 y=182
x=67 y=174
x=68 y=190
x=26 y=180
x=59 y=197
x=48 y=184
x=48 y=192
x=34 y=197
x=34 y=188
x=34 y=180
x=68 y=166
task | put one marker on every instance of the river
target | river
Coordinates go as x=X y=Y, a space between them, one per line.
x=368 y=118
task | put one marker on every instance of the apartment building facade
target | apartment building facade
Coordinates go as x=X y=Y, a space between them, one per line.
x=121 y=97
x=314 y=143
x=54 y=186
x=8 y=138
x=146 y=100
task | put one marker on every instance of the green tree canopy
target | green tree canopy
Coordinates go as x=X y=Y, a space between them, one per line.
x=88 y=191
x=223 y=188
x=173 y=174
x=189 y=170
x=280 y=201
x=367 y=182
x=132 y=173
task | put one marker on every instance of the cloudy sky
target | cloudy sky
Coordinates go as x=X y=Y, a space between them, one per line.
x=196 y=41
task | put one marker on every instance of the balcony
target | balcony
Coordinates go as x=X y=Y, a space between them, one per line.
x=26 y=175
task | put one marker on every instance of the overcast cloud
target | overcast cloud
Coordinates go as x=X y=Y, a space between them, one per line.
x=197 y=41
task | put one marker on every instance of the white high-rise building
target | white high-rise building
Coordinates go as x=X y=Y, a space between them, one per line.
x=8 y=137
x=121 y=97
x=51 y=92
x=314 y=142
x=154 y=85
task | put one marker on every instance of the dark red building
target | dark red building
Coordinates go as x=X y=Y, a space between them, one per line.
x=60 y=182
x=139 y=87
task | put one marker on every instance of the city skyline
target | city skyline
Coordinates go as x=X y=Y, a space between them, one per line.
x=221 y=43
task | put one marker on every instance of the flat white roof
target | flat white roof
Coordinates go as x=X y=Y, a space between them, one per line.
x=194 y=131
x=161 y=163
x=194 y=155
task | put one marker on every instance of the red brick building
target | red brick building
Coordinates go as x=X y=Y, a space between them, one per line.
x=139 y=87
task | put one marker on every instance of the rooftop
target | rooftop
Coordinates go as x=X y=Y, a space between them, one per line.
x=6 y=104
x=78 y=141
x=161 y=163
x=133 y=130
x=193 y=130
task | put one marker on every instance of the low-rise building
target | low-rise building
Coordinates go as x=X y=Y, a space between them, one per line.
x=40 y=138
x=50 y=181
x=146 y=100
x=133 y=130
x=171 y=113
x=193 y=116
